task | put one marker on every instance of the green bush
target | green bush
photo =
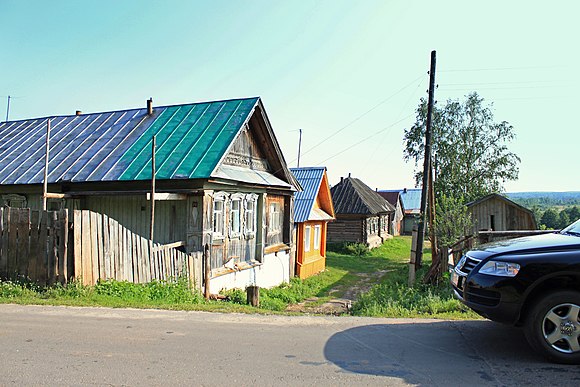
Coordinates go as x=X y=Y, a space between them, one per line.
x=236 y=296
x=9 y=289
x=275 y=304
x=74 y=289
x=349 y=248
x=357 y=249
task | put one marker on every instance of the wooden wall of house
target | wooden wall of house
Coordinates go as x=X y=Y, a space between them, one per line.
x=134 y=213
x=408 y=222
x=346 y=230
x=500 y=215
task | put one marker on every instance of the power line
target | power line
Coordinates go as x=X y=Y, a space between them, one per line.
x=503 y=88
x=506 y=83
x=380 y=143
x=502 y=69
x=366 y=138
x=361 y=116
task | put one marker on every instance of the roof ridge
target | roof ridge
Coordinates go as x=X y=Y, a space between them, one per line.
x=130 y=109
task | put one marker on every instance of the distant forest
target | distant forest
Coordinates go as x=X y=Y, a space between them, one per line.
x=552 y=210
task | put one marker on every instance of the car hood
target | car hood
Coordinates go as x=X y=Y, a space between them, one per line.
x=531 y=244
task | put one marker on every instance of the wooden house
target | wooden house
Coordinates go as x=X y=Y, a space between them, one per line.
x=362 y=215
x=220 y=183
x=497 y=213
x=312 y=211
x=394 y=198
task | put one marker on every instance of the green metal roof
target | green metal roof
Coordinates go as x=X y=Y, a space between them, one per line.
x=190 y=140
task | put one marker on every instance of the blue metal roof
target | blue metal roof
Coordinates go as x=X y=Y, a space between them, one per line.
x=310 y=179
x=116 y=146
x=411 y=198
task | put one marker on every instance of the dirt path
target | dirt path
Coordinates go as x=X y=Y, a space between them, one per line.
x=339 y=306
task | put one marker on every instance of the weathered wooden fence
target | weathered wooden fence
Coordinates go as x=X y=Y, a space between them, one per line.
x=33 y=245
x=104 y=249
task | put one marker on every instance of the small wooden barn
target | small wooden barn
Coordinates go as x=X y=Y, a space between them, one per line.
x=497 y=213
x=312 y=211
x=215 y=172
x=362 y=215
x=394 y=198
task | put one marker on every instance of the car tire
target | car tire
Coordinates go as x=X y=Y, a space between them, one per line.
x=553 y=327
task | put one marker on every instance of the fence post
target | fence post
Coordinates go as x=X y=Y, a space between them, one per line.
x=413 y=259
x=207 y=267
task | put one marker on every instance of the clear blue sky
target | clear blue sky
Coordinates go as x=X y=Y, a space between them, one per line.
x=318 y=65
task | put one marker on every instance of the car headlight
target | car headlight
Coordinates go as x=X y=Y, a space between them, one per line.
x=502 y=269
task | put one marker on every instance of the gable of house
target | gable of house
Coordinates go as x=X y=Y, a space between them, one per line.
x=314 y=201
x=497 y=212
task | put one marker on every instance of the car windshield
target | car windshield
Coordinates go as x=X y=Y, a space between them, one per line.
x=573 y=229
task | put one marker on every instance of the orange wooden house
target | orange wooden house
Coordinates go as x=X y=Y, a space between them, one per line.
x=313 y=210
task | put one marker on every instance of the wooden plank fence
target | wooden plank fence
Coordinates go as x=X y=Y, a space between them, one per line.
x=33 y=245
x=104 y=249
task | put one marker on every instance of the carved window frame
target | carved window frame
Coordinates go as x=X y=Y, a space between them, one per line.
x=250 y=215
x=219 y=215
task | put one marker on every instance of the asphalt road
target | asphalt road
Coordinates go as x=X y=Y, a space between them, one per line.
x=98 y=346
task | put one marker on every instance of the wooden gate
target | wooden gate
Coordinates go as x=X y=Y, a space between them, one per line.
x=104 y=249
x=33 y=245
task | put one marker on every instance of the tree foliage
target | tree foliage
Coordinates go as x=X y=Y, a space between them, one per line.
x=554 y=219
x=452 y=221
x=470 y=154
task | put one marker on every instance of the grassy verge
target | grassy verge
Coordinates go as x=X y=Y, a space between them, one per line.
x=392 y=297
x=386 y=267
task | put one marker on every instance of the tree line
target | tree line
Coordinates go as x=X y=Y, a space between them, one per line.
x=555 y=219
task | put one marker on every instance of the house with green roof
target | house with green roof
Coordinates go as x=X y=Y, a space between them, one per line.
x=221 y=181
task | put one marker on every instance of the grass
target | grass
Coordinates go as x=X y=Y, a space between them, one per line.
x=392 y=297
x=386 y=266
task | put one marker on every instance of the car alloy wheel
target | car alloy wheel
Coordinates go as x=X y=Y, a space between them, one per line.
x=561 y=328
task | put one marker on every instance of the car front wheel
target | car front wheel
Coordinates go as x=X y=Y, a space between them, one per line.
x=553 y=327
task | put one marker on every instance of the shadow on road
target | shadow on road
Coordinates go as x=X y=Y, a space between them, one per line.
x=452 y=353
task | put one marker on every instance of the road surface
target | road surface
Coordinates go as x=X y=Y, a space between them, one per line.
x=98 y=346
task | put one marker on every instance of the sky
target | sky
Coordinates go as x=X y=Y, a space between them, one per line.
x=350 y=74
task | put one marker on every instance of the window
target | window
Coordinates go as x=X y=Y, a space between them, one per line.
x=15 y=201
x=274 y=220
x=275 y=223
x=250 y=215
x=317 y=237
x=218 y=218
x=235 y=225
x=307 y=238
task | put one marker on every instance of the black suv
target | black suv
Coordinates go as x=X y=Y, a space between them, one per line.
x=532 y=282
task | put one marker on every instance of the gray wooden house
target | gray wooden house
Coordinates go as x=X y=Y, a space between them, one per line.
x=394 y=198
x=497 y=213
x=220 y=179
x=362 y=215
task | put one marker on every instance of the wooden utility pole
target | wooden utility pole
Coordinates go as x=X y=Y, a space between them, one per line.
x=152 y=190
x=426 y=165
x=45 y=184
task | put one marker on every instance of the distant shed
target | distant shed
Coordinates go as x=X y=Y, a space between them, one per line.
x=498 y=213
